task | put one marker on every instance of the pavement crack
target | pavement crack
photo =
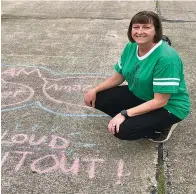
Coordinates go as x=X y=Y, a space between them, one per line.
x=160 y=171
x=6 y=16
x=159 y=12
x=177 y=21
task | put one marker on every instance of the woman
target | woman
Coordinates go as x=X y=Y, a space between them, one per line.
x=156 y=98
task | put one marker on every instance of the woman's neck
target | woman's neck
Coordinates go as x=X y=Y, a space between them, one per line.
x=143 y=49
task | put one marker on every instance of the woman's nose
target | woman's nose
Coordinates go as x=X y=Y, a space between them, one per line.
x=140 y=30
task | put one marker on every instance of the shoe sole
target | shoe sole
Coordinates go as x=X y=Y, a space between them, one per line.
x=169 y=134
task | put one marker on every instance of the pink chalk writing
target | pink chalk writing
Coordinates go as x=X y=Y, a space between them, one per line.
x=55 y=141
x=4 y=158
x=15 y=93
x=47 y=170
x=9 y=72
x=24 y=84
x=16 y=71
x=39 y=142
x=4 y=134
x=92 y=166
x=74 y=169
x=120 y=168
x=58 y=163
x=66 y=88
x=120 y=171
x=19 y=139
x=55 y=89
x=21 y=162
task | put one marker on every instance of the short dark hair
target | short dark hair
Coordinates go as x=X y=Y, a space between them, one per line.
x=146 y=17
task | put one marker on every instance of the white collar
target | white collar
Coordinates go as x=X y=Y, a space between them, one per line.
x=149 y=52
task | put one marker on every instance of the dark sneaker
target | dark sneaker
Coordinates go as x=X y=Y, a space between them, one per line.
x=166 y=39
x=165 y=135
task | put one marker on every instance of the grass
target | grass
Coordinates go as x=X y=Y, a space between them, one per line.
x=161 y=181
x=157 y=7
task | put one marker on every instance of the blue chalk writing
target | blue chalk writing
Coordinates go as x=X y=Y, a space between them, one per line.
x=37 y=104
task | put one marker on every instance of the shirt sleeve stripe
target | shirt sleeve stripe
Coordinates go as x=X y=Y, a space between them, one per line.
x=165 y=83
x=160 y=79
x=119 y=64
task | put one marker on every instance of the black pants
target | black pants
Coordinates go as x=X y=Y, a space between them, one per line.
x=147 y=125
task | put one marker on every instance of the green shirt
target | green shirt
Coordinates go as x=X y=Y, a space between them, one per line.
x=158 y=71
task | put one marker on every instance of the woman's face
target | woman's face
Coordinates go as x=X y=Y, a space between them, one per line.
x=143 y=33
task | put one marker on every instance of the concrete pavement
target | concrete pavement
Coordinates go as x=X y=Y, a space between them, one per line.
x=52 y=52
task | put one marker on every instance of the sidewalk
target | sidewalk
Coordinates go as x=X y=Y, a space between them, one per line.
x=52 y=52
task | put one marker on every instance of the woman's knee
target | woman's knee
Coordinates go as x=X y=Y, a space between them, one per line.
x=128 y=134
x=104 y=104
x=98 y=101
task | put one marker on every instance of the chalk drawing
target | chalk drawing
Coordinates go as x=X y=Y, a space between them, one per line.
x=55 y=112
x=15 y=71
x=35 y=127
x=21 y=162
x=92 y=166
x=4 y=134
x=56 y=93
x=4 y=158
x=86 y=145
x=17 y=122
x=54 y=141
x=22 y=86
x=75 y=134
x=14 y=91
x=2 y=138
x=54 y=72
x=58 y=88
x=58 y=161
x=75 y=167
x=19 y=139
x=120 y=171
x=47 y=170
x=39 y=142
x=69 y=151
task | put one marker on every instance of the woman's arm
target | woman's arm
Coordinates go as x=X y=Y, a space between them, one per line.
x=90 y=96
x=111 y=82
x=159 y=100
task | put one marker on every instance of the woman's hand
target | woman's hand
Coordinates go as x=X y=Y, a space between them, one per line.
x=114 y=124
x=90 y=98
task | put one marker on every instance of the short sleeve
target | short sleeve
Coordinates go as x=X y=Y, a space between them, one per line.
x=119 y=65
x=166 y=76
